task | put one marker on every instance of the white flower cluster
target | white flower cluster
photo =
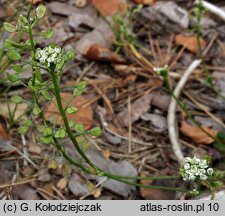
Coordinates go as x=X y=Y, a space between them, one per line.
x=195 y=168
x=49 y=55
x=194 y=192
x=159 y=69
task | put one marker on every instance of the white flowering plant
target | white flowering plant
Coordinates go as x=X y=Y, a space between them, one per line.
x=195 y=169
x=53 y=59
x=49 y=55
x=198 y=171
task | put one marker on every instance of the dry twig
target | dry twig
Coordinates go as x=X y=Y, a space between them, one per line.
x=171 y=119
x=212 y=8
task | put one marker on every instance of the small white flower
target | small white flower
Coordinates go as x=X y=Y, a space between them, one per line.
x=194 y=192
x=49 y=55
x=186 y=166
x=210 y=171
x=203 y=177
x=57 y=50
x=162 y=71
x=187 y=159
x=195 y=168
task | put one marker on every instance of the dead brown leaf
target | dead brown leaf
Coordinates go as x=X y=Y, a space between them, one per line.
x=106 y=153
x=145 y=2
x=48 y=188
x=62 y=183
x=99 y=53
x=3 y=132
x=109 y=7
x=152 y=194
x=189 y=42
x=196 y=134
x=83 y=116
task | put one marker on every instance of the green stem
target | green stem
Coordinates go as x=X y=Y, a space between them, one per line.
x=87 y=160
x=183 y=107
x=67 y=157
x=35 y=68
x=63 y=114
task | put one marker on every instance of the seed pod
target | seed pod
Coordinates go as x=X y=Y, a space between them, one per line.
x=9 y=27
x=40 y=11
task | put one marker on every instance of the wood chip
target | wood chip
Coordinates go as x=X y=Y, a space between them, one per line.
x=190 y=42
x=110 y=7
x=196 y=134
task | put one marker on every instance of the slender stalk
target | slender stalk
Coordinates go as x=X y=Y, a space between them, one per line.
x=87 y=160
x=63 y=114
x=35 y=68
x=183 y=107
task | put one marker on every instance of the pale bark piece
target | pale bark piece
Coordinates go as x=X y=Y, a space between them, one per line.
x=207 y=23
x=62 y=8
x=77 y=185
x=103 y=27
x=220 y=81
x=138 y=108
x=173 y=12
x=25 y=192
x=94 y=37
x=158 y=121
x=161 y=101
x=5 y=145
x=20 y=111
x=7 y=170
x=123 y=168
x=85 y=17
x=43 y=175
x=44 y=178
